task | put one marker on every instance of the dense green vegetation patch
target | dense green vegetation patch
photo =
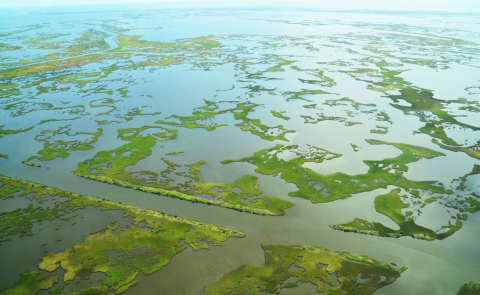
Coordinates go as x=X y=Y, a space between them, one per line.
x=4 y=132
x=471 y=288
x=302 y=94
x=110 y=167
x=380 y=130
x=29 y=163
x=322 y=117
x=352 y=109
x=56 y=147
x=391 y=205
x=433 y=112
x=280 y=114
x=203 y=118
x=321 y=188
x=30 y=284
x=324 y=81
x=120 y=256
x=472 y=151
x=174 y=153
x=332 y=272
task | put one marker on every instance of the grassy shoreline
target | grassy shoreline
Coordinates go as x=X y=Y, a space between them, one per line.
x=182 y=196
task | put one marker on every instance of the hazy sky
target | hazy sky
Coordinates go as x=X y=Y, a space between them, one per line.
x=431 y=5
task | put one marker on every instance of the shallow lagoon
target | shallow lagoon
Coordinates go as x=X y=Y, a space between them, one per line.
x=338 y=40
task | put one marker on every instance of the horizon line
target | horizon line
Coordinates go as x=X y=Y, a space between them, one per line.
x=208 y=5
